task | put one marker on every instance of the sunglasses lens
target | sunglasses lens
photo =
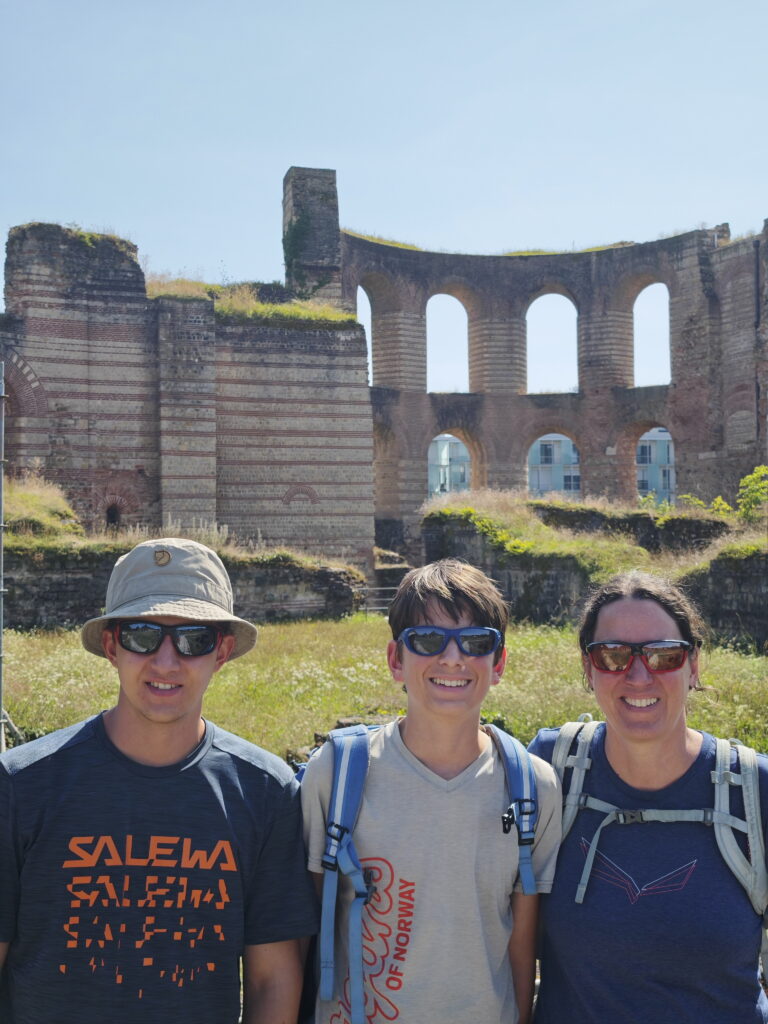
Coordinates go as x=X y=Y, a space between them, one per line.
x=424 y=640
x=477 y=641
x=474 y=641
x=146 y=637
x=140 y=637
x=611 y=657
x=664 y=658
x=194 y=641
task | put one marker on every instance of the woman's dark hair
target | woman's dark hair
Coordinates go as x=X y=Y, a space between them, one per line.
x=643 y=586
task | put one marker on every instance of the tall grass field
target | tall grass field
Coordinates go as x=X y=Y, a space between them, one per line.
x=302 y=677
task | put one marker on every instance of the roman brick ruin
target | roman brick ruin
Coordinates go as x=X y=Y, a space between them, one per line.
x=160 y=411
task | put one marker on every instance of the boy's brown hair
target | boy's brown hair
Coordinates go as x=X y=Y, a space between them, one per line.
x=457 y=587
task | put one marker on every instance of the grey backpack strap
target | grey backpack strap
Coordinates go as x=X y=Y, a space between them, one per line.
x=580 y=762
x=751 y=870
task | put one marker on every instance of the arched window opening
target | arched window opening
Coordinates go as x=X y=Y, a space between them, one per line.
x=447 y=345
x=552 y=327
x=553 y=466
x=112 y=517
x=448 y=465
x=364 y=317
x=655 y=466
x=651 y=328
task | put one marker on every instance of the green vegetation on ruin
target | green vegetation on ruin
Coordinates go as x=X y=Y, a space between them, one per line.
x=89 y=238
x=241 y=302
x=509 y=521
x=382 y=241
x=564 y=252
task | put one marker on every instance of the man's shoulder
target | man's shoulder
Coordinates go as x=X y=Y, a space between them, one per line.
x=251 y=756
x=46 y=747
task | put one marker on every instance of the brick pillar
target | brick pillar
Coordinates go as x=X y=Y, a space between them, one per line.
x=311 y=236
x=186 y=345
x=497 y=353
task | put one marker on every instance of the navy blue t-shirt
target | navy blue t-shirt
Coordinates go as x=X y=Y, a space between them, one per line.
x=666 y=933
x=127 y=892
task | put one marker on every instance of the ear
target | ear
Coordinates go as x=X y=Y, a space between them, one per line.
x=693 y=664
x=498 y=668
x=224 y=651
x=588 y=668
x=109 y=646
x=394 y=660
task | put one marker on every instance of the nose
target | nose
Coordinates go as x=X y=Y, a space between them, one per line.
x=166 y=655
x=637 y=672
x=452 y=654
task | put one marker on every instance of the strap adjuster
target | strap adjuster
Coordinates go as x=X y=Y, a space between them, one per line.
x=630 y=817
x=370 y=887
x=518 y=809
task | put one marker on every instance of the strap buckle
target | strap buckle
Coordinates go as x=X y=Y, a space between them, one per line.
x=335 y=833
x=516 y=810
x=630 y=817
x=371 y=889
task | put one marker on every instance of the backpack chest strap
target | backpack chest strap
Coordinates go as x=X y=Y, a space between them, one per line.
x=635 y=816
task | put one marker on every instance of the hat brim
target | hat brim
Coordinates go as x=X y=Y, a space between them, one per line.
x=189 y=608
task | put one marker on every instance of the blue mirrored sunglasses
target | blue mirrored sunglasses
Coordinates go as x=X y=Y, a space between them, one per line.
x=474 y=641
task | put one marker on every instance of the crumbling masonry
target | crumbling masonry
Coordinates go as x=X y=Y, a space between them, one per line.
x=160 y=411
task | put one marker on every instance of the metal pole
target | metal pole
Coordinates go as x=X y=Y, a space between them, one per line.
x=3 y=716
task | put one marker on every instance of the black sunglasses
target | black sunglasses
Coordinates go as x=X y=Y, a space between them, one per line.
x=474 y=641
x=190 y=641
x=656 y=655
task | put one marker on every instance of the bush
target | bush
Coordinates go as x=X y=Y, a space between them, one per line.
x=752 y=497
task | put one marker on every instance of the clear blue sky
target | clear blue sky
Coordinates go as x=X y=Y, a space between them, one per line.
x=471 y=128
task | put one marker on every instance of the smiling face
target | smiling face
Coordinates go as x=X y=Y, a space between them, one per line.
x=446 y=684
x=162 y=689
x=640 y=706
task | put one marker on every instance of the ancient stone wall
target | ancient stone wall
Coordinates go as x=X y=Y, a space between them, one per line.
x=731 y=590
x=65 y=589
x=715 y=406
x=159 y=412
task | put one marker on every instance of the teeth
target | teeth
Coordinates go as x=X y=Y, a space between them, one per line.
x=641 y=702
x=162 y=686
x=449 y=682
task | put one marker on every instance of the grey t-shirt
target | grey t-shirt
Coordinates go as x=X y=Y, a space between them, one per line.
x=436 y=932
x=127 y=892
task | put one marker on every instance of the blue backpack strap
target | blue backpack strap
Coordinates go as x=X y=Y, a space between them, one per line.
x=350 y=767
x=523 y=810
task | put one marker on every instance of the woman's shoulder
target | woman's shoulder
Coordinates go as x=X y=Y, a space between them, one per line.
x=543 y=743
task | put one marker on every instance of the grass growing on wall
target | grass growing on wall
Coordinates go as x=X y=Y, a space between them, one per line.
x=35 y=507
x=304 y=676
x=506 y=518
x=241 y=301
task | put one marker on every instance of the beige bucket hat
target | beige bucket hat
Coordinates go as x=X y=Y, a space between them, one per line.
x=171 y=576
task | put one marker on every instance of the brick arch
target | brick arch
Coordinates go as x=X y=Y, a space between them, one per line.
x=124 y=497
x=300 y=492
x=478 y=466
x=29 y=397
x=459 y=289
x=626 y=440
x=550 y=288
x=381 y=289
